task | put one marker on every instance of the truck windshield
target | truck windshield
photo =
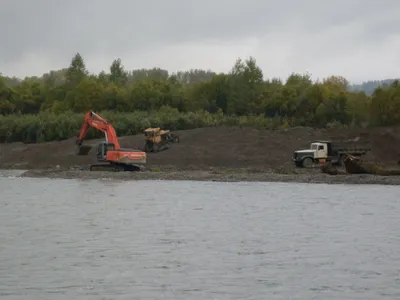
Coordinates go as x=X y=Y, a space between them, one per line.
x=313 y=147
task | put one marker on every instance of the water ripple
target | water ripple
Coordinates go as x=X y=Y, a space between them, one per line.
x=69 y=239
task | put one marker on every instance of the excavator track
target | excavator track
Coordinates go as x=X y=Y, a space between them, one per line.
x=114 y=168
x=104 y=167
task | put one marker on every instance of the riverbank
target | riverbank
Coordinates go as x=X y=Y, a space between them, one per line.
x=213 y=154
x=218 y=175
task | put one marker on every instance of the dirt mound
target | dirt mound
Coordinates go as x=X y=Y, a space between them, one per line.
x=386 y=145
x=209 y=147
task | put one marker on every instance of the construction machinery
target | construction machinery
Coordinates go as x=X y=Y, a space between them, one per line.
x=328 y=151
x=158 y=139
x=109 y=151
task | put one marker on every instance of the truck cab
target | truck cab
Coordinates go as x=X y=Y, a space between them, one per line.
x=318 y=152
x=321 y=149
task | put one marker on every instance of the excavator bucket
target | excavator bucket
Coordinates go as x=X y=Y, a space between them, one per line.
x=83 y=149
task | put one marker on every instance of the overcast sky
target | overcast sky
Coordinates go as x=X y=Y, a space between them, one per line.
x=357 y=39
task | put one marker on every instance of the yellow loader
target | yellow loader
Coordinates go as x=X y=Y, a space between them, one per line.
x=157 y=139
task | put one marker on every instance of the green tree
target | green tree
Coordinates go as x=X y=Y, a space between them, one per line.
x=76 y=71
x=88 y=95
x=246 y=88
x=118 y=75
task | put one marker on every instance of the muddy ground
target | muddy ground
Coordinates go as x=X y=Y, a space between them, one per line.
x=216 y=153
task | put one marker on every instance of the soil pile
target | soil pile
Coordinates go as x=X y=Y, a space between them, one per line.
x=204 y=148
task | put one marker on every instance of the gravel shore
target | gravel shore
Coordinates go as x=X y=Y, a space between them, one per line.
x=217 y=175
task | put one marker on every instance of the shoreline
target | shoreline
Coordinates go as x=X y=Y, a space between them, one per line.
x=232 y=175
x=222 y=154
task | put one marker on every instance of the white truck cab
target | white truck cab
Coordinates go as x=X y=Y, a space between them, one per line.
x=320 y=150
x=317 y=153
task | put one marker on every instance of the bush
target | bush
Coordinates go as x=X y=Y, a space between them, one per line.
x=47 y=126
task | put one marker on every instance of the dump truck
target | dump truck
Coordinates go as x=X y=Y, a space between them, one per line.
x=324 y=151
x=157 y=139
x=108 y=151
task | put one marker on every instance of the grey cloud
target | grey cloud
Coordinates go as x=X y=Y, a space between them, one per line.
x=58 y=29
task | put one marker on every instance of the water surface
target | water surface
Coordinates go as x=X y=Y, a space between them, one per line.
x=67 y=239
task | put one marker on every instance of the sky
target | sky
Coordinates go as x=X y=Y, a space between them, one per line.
x=359 y=40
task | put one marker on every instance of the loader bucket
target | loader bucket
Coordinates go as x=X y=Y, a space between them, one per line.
x=83 y=149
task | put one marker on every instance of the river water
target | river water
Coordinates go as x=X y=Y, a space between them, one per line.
x=67 y=239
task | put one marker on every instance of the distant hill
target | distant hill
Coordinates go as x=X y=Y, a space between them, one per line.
x=369 y=86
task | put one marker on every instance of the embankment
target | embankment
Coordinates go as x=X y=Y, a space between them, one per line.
x=213 y=153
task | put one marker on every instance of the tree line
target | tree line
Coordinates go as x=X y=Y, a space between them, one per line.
x=242 y=93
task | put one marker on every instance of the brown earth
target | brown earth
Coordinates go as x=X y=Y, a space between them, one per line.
x=205 y=148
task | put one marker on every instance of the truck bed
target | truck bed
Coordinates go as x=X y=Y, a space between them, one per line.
x=351 y=147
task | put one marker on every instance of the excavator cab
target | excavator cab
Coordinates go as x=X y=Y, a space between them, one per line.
x=102 y=148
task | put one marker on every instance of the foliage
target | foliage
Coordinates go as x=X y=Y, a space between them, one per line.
x=48 y=126
x=52 y=107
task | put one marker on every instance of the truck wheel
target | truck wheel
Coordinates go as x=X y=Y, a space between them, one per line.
x=307 y=162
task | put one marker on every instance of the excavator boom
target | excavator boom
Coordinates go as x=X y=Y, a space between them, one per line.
x=94 y=120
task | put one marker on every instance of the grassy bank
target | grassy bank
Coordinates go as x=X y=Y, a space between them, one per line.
x=51 y=127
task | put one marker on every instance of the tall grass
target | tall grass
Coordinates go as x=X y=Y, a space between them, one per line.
x=52 y=127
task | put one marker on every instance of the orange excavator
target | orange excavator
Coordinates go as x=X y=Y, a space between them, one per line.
x=109 y=151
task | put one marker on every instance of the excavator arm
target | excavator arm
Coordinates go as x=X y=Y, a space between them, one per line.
x=94 y=120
